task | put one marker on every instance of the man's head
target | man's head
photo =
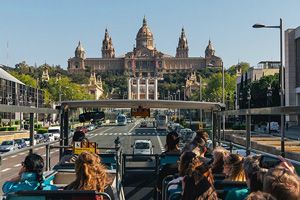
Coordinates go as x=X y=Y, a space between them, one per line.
x=198 y=148
x=282 y=184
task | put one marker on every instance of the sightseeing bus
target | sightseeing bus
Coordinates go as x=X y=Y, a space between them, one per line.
x=122 y=120
x=161 y=122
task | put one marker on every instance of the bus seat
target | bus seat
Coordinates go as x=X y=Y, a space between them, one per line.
x=165 y=182
x=65 y=166
x=228 y=185
x=64 y=178
x=169 y=157
x=222 y=194
x=219 y=176
x=57 y=195
x=175 y=195
x=169 y=192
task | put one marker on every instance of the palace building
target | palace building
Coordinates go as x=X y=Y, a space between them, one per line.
x=144 y=60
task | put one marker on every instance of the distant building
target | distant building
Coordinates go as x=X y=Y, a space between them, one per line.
x=191 y=85
x=144 y=60
x=264 y=68
x=94 y=87
x=292 y=72
x=14 y=92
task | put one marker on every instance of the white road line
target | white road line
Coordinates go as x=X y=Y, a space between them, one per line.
x=21 y=153
x=144 y=133
x=149 y=133
x=56 y=150
x=115 y=133
x=101 y=134
x=139 y=133
x=13 y=156
x=4 y=158
x=129 y=133
x=133 y=127
x=153 y=133
x=4 y=170
x=105 y=133
x=159 y=142
x=110 y=134
x=109 y=129
x=17 y=165
x=125 y=133
x=44 y=155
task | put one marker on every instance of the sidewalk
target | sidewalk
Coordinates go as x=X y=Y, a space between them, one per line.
x=293 y=132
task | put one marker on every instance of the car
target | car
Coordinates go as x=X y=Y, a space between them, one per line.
x=39 y=138
x=143 y=124
x=71 y=133
x=21 y=143
x=81 y=128
x=273 y=128
x=189 y=135
x=142 y=147
x=8 y=145
x=89 y=127
x=48 y=137
x=55 y=130
x=129 y=120
x=99 y=124
x=27 y=141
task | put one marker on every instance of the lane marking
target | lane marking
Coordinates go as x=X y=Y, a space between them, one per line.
x=56 y=150
x=109 y=129
x=4 y=158
x=115 y=133
x=133 y=127
x=44 y=155
x=160 y=144
x=110 y=133
x=17 y=165
x=105 y=133
x=13 y=156
x=21 y=153
x=4 y=170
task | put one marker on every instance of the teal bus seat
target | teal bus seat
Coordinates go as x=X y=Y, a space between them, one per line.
x=169 y=157
x=57 y=195
x=229 y=185
x=169 y=192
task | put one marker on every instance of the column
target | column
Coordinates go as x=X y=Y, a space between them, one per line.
x=138 y=88
x=129 y=88
x=147 y=88
x=155 y=89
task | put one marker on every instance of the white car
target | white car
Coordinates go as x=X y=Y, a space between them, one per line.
x=89 y=127
x=142 y=147
x=55 y=130
x=50 y=137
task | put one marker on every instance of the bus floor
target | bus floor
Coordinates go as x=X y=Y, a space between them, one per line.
x=139 y=184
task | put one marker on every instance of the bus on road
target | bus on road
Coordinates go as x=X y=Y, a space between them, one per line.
x=161 y=122
x=122 y=120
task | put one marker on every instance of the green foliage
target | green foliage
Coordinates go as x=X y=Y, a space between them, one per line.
x=12 y=128
x=17 y=122
x=42 y=131
x=26 y=126
x=242 y=127
x=4 y=129
x=39 y=126
x=245 y=68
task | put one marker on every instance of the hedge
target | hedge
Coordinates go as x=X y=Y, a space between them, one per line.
x=40 y=126
x=12 y=128
x=3 y=128
x=42 y=131
x=17 y=122
x=242 y=127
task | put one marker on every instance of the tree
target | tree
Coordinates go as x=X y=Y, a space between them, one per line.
x=245 y=68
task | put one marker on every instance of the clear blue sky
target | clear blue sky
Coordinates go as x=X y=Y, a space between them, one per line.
x=40 y=30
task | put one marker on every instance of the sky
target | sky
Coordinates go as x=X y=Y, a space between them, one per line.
x=39 y=31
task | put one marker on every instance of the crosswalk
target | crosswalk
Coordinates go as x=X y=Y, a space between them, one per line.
x=126 y=134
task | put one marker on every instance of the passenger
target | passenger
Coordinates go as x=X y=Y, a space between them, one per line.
x=199 y=148
x=203 y=135
x=172 y=142
x=254 y=178
x=187 y=163
x=219 y=155
x=76 y=136
x=234 y=168
x=259 y=195
x=282 y=183
x=199 y=185
x=90 y=174
x=30 y=177
x=71 y=158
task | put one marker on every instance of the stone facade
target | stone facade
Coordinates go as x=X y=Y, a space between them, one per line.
x=144 y=60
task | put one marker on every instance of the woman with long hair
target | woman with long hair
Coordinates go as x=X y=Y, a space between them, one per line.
x=90 y=174
x=172 y=142
x=199 y=185
x=30 y=177
x=219 y=155
x=187 y=163
x=234 y=168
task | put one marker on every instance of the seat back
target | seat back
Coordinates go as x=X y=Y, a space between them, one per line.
x=57 y=195
x=169 y=192
x=228 y=185
x=169 y=157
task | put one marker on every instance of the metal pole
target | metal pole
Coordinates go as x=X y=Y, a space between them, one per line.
x=223 y=99
x=59 y=92
x=248 y=134
x=281 y=90
x=31 y=129
x=200 y=97
x=37 y=104
x=214 y=128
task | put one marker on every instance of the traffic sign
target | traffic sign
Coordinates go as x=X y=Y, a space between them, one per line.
x=200 y=125
x=79 y=147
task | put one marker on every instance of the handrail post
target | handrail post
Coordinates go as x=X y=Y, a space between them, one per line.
x=219 y=128
x=230 y=146
x=61 y=141
x=156 y=163
x=31 y=129
x=248 y=134
x=47 y=157
x=123 y=167
x=214 y=128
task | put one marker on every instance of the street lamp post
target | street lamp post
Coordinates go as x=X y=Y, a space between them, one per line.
x=248 y=124
x=269 y=99
x=241 y=105
x=228 y=100
x=281 y=74
x=234 y=105
x=183 y=92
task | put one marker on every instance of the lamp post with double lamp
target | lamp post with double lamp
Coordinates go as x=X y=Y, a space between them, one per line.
x=269 y=100
x=248 y=124
x=234 y=105
x=281 y=74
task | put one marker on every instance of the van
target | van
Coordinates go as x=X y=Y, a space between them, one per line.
x=55 y=130
x=274 y=127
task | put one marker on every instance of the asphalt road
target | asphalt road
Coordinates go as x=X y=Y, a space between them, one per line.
x=103 y=136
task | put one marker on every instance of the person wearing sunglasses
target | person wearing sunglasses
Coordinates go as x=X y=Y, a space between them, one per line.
x=30 y=176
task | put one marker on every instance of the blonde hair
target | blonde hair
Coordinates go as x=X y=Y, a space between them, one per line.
x=237 y=168
x=219 y=155
x=90 y=173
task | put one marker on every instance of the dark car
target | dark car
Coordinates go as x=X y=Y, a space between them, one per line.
x=21 y=143
x=81 y=128
x=99 y=124
x=39 y=138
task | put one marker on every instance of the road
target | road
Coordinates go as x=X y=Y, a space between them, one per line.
x=103 y=136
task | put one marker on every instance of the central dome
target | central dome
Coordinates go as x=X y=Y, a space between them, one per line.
x=144 y=37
